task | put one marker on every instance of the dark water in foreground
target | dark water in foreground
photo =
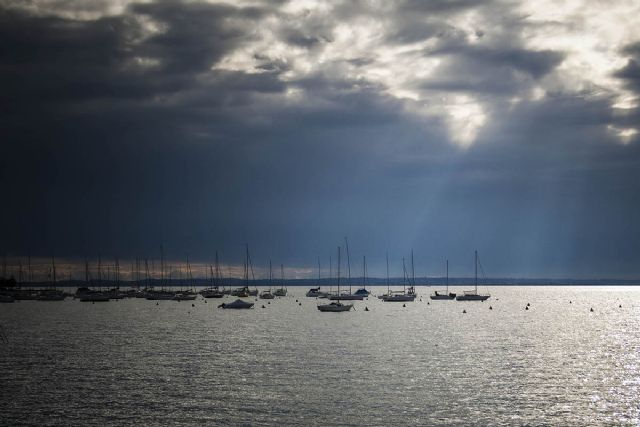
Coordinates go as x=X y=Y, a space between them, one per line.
x=132 y=362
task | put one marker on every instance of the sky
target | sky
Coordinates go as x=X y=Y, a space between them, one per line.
x=441 y=127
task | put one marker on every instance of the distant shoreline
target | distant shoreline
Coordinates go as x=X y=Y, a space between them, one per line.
x=355 y=283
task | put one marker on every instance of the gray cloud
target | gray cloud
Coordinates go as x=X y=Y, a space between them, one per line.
x=117 y=139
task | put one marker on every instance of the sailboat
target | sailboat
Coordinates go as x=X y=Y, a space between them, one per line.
x=406 y=294
x=282 y=291
x=187 y=295
x=363 y=290
x=52 y=294
x=347 y=296
x=446 y=295
x=90 y=295
x=214 y=291
x=473 y=295
x=244 y=291
x=383 y=296
x=267 y=294
x=315 y=292
x=336 y=306
x=162 y=294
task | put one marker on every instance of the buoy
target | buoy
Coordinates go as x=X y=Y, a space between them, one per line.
x=193 y=305
x=299 y=303
x=404 y=305
x=263 y=306
x=269 y=302
x=157 y=303
x=591 y=309
x=428 y=303
x=464 y=311
x=205 y=301
x=569 y=301
x=420 y=299
x=366 y=309
x=526 y=308
x=620 y=306
x=296 y=300
x=528 y=304
x=490 y=308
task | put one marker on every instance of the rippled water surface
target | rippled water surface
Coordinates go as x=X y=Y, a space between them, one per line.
x=135 y=362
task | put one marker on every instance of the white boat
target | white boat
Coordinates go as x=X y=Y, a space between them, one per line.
x=237 y=304
x=446 y=295
x=407 y=294
x=336 y=306
x=346 y=297
x=267 y=294
x=184 y=297
x=315 y=292
x=473 y=295
x=399 y=297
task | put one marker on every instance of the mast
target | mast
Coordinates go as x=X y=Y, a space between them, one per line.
x=413 y=273
x=218 y=277
x=270 y=275
x=99 y=272
x=348 y=262
x=364 y=271
x=147 y=275
x=338 y=270
x=388 y=290
x=318 y=271
x=404 y=273
x=282 y=274
x=53 y=269
x=246 y=267
x=189 y=276
x=447 y=277
x=330 y=274
x=20 y=275
x=476 y=253
x=86 y=270
x=161 y=266
x=117 y=274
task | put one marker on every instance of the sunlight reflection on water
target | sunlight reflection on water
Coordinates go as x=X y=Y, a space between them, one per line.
x=131 y=361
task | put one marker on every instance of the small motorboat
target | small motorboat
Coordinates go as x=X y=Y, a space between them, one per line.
x=236 y=304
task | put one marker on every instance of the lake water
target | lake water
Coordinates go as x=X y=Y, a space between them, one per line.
x=135 y=362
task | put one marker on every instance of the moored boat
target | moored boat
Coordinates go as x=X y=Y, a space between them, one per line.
x=336 y=306
x=473 y=295
x=237 y=304
x=446 y=295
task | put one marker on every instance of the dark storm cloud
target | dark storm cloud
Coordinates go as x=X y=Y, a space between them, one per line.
x=117 y=138
x=630 y=73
